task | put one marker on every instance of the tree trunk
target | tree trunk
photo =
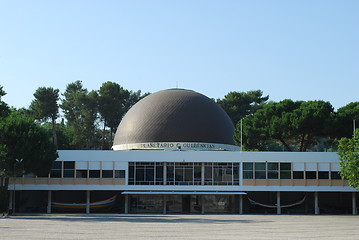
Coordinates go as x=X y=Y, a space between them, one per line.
x=54 y=134
x=285 y=145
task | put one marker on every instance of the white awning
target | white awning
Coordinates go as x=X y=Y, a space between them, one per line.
x=181 y=193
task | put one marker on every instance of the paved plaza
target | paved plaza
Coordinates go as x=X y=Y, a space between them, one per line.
x=124 y=226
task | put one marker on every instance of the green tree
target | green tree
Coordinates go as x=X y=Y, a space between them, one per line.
x=294 y=125
x=4 y=108
x=45 y=107
x=240 y=104
x=342 y=123
x=25 y=147
x=112 y=101
x=80 y=110
x=349 y=159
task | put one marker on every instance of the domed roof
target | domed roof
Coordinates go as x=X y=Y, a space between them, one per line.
x=169 y=118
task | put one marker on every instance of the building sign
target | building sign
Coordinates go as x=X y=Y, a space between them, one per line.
x=176 y=146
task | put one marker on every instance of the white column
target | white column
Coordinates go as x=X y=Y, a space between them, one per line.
x=126 y=203
x=202 y=173
x=240 y=204
x=49 y=196
x=164 y=173
x=354 y=204
x=316 y=204
x=87 y=202
x=278 y=204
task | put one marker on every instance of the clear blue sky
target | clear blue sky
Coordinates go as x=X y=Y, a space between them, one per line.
x=302 y=50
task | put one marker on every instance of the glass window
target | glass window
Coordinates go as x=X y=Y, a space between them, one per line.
x=94 y=173
x=107 y=173
x=335 y=175
x=323 y=175
x=69 y=173
x=298 y=175
x=285 y=170
x=247 y=174
x=285 y=166
x=119 y=173
x=55 y=174
x=247 y=166
x=260 y=171
x=81 y=173
x=69 y=165
x=57 y=165
x=272 y=166
x=311 y=175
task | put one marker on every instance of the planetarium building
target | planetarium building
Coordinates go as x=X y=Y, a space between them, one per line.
x=173 y=152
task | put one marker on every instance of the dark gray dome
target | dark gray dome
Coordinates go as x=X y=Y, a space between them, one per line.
x=175 y=115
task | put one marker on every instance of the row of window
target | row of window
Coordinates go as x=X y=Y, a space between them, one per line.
x=283 y=171
x=150 y=173
x=67 y=169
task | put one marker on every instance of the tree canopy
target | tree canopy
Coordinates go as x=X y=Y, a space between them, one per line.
x=23 y=141
x=294 y=125
x=349 y=159
x=45 y=107
x=240 y=104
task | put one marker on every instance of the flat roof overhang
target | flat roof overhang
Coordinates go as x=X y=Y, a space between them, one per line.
x=181 y=193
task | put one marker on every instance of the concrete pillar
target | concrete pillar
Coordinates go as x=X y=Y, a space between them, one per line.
x=278 y=204
x=354 y=204
x=49 y=196
x=126 y=203
x=202 y=173
x=164 y=173
x=87 y=202
x=316 y=204
x=240 y=204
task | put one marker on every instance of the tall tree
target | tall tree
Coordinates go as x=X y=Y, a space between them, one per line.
x=112 y=101
x=45 y=107
x=344 y=120
x=4 y=108
x=80 y=110
x=349 y=159
x=240 y=104
x=295 y=125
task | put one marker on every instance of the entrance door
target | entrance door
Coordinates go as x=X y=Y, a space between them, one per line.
x=186 y=203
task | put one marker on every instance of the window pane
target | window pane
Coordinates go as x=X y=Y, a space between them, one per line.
x=247 y=166
x=107 y=174
x=94 y=173
x=298 y=175
x=311 y=175
x=69 y=173
x=272 y=174
x=119 y=173
x=81 y=174
x=285 y=166
x=260 y=174
x=55 y=174
x=247 y=174
x=323 y=175
x=272 y=166
x=260 y=166
x=285 y=175
x=335 y=175
x=57 y=165
x=69 y=165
